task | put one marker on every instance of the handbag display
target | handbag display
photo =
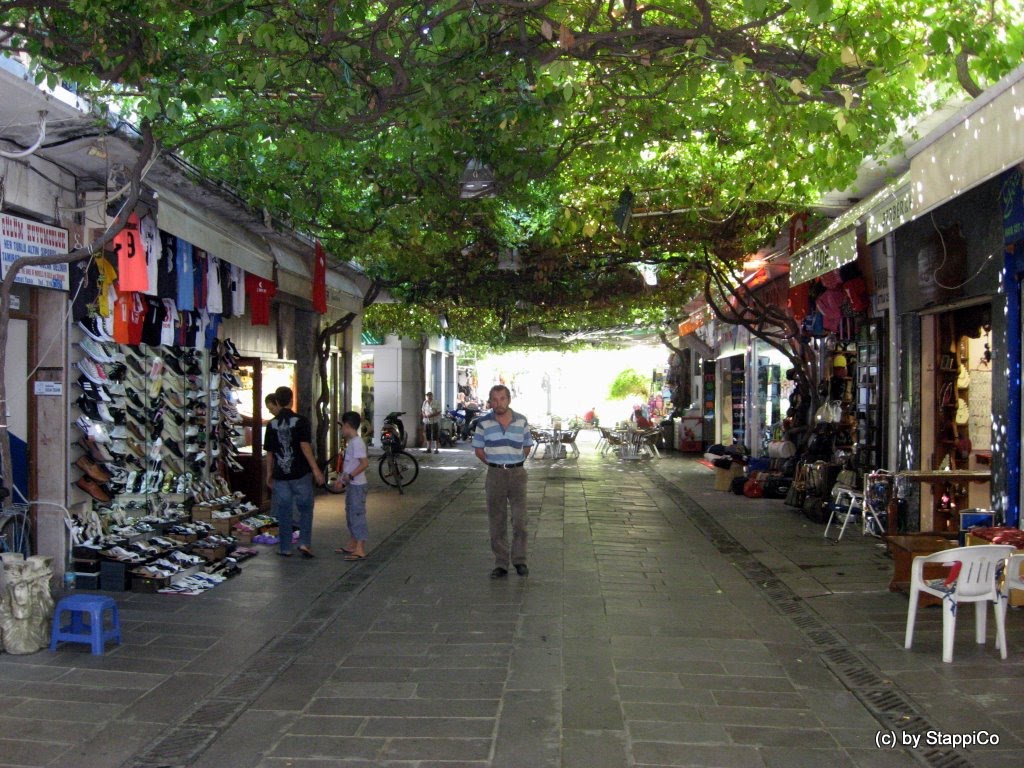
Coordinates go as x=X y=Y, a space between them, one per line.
x=781 y=449
x=963 y=412
x=829 y=413
x=963 y=379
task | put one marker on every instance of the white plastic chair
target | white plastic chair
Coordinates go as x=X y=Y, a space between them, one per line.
x=1012 y=579
x=976 y=583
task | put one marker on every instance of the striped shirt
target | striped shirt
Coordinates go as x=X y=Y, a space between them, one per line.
x=502 y=446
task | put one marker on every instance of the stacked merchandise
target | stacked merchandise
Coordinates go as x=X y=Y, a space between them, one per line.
x=152 y=422
x=227 y=420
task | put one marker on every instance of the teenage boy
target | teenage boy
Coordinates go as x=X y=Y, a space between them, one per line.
x=291 y=470
x=353 y=480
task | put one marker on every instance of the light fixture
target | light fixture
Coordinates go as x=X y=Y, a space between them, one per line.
x=443 y=320
x=624 y=210
x=649 y=271
x=477 y=181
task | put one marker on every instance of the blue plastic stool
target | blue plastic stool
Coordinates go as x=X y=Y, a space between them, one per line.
x=77 y=631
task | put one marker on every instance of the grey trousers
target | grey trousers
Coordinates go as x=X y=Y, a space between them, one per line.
x=506 y=489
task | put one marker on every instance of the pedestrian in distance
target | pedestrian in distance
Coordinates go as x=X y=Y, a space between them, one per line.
x=353 y=480
x=431 y=413
x=502 y=441
x=291 y=471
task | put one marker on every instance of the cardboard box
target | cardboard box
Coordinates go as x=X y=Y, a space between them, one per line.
x=225 y=525
x=723 y=477
x=211 y=553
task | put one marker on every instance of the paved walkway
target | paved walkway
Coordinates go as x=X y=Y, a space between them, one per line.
x=663 y=624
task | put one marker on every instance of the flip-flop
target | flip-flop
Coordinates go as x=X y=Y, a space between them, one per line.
x=352 y=556
x=343 y=551
x=284 y=554
x=304 y=551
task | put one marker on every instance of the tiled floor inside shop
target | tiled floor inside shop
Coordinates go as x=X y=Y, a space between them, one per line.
x=663 y=623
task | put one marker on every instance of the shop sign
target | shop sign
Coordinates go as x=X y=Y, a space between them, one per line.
x=26 y=238
x=892 y=212
x=1011 y=195
x=818 y=259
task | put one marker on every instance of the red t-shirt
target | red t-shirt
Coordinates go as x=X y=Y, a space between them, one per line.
x=132 y=270
x=122 y=316
x=319 y=279
x=260 y=291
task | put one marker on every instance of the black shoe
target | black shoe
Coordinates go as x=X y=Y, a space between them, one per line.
x=499 y=573
x=522 y=570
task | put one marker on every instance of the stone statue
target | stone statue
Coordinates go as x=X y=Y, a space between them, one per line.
x=26 y=606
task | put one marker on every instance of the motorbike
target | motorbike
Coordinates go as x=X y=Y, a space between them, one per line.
x=393 y=430
x=465 y=421
x=448 y=431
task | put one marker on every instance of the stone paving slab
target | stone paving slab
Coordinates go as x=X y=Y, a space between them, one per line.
x=663 y=623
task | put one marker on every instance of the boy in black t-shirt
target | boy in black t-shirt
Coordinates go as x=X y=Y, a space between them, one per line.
x=290 y=463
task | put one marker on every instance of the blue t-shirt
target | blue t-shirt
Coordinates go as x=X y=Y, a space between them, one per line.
x=502 y=446
x=186 y=273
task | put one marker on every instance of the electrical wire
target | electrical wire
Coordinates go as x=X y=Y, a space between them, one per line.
x=945 y=255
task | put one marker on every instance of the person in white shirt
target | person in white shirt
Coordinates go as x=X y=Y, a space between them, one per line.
x=431 y=413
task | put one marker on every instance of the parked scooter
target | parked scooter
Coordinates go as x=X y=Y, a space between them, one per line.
x=393 y=425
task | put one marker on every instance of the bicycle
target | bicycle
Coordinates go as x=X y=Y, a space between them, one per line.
x=396 y=467
x=333 y=470
x=16 y=530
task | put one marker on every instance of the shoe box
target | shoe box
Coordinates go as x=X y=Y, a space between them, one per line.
x=211 y=554
x=141 y=583
x=114 y=576
x=223 y=525
x=87 y=580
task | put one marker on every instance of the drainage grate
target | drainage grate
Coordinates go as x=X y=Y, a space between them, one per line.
x=890 y=706
x=176 y=748
x=214 y=713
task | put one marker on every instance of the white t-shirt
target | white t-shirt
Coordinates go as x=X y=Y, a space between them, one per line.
x=151 y=244
x=354 y=451
x=431 y=412
x=214 y=296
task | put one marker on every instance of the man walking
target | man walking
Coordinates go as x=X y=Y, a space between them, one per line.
x=290 y=462
x=502 y=441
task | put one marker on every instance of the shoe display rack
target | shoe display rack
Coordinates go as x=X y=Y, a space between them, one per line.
x=155 y=422
x=227 y=422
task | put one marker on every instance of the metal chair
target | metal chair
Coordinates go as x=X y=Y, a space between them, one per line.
x=973 y=578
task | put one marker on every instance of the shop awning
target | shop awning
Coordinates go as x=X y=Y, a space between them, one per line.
x=837 y=245
x=981 y=141
x=218 y=238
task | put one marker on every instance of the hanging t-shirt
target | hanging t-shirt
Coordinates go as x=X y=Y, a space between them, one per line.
x=133 y=274
x=169 y=325
x=136 y=318
x=167 y=282
x=108 y=275
x=214 y=295
x=195 y=328
x=200 y=259
x=319 y=279
x=153 y=323
x=85 y=277
x=185 y=272
x=261 y=291
x=151 y=245
x=237 y=291
x=210 y=333
x=226 y=299
x=122 y=316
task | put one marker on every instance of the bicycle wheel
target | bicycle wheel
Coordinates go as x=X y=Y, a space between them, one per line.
x=398 y=469
x=332 y=471
x=16 y=535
